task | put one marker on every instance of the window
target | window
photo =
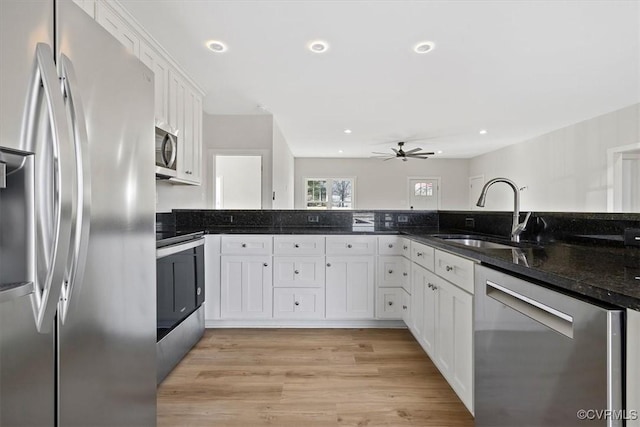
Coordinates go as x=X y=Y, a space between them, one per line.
x=329 y=193
x=423 y=189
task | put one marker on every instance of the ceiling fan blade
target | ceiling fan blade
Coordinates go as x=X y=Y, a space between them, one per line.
x=413 y=150
x=390 y=158
x=424 y=153
x=395 y=151
x=377 y=152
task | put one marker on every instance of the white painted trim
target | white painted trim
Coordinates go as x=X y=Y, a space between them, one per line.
x=436 y=178
x=614 y=175
x=278 y=323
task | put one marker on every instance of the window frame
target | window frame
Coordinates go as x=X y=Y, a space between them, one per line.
x=329 y=180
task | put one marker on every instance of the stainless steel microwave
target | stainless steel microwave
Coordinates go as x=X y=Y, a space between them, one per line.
x=166 y=153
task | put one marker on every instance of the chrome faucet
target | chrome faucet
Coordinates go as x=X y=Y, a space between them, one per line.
x=517 y=227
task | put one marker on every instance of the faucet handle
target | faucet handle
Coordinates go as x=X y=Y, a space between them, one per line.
x=521 y=226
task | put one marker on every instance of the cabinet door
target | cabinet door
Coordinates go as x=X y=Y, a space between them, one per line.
x=417 y=301
x=196 y=149
x=87 y=5
x=185 y=156
x=454 y=339
x=118 y=28
x=406 y=274
x=298 y=271
x=175 y=113
x=349 y=287
x=160 y=68
x=389 y=303
x=430 y=314
x=406 y=307
x=246 y=291
x=294 y=303
x=390 y=269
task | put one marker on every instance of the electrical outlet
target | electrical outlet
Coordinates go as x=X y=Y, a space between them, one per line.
x=632 y=236
x=313 y=218
x=403 y=218
x=470 y=223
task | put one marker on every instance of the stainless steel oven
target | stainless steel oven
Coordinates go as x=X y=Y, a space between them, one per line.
x=166 y=152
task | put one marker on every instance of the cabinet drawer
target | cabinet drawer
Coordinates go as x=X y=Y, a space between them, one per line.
x=390 y=245
x=293 y=303
x=390 y=271
x=422 y=255
x=298 y=245
x=351 y=245
x=247 y=245
x=389 y=303
x=455 y=269
x=405 y=246
x=302 y=271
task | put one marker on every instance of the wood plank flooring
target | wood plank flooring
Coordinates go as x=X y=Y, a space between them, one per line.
x=308 y=378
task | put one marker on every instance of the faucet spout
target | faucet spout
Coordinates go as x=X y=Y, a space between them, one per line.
x=516 y=226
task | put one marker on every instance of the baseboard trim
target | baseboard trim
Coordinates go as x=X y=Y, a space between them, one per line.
x=278 y=323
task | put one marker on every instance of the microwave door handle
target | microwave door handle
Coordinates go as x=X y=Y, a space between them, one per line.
x=163 y=150
x=82 y=215
x=45 y=85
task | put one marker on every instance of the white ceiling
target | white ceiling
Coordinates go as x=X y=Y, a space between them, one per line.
x=517 y=68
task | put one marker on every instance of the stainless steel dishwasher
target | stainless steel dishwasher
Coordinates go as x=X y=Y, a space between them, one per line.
x=543 y=358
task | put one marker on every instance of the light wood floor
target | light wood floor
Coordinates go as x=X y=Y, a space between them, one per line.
x=308 y=378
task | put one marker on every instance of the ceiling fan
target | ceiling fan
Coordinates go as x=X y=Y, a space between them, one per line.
x=414 y=153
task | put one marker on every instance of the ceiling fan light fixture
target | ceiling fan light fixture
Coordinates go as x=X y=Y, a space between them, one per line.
x=424 y=47
x=318 y=46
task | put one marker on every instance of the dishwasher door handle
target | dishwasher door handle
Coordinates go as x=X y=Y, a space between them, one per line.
x=541 y=313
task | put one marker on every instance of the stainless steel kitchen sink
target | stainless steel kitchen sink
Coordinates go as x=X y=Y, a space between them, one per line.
x=481 y=242
x=485 y=244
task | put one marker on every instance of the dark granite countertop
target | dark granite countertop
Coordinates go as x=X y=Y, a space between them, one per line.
x=610 y=274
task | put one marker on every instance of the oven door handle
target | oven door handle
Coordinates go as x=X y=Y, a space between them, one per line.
x=179 y=247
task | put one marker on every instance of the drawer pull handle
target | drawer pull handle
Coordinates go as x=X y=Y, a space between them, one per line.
x=405 y=274
x=296 y=272
x=448 y=268
x=419 y=253
x=328 y=264
x=405 y=247
x=199 y=291
x=296 y=245
x=434 y=287
x=390 y=303
x=431 y=285
x=404 y=307
x=390 y=271
x=390 y=245
x=265 y=264
x=349 y=246
x=244 y=245
x=296 y=303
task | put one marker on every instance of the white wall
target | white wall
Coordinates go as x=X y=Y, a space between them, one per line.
x=283 y=171
x=384 y=185
x=229 y=135
x=564 y=170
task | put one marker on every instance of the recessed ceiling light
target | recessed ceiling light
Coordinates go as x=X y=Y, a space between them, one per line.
x=439 y=151
x=216 y=46
x=483 y=131
x=424 y=47
x=339 y=151
x=347 y=131
x=318 y=46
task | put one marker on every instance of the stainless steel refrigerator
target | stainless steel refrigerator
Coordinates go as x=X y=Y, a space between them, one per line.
x=77 y=202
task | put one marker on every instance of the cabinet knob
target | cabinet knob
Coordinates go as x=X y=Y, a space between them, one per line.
x=419 y=253
x=390 y=245
x=448 y=268
x=349 y=246
x=296 y=272
x=199 y=291
x=296 y=245
x=328 y=264
x=405 y=274
x=265 y=264
x=430 y=285
x=404 y=307
x=434 y=287
x=244 y=245
x=390 y=302
x=390 y=271
x=405 y=247
x=296 y=303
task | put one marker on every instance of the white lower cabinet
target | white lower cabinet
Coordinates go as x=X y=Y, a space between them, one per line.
x=350 y=287
x=633 y=368
x=389 y=303
x=298 y=303
x=246 y=290
x=406 y=307
x=417 y=301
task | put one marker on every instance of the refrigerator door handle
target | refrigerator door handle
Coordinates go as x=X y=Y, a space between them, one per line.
x=82 y=213
x=45 y=86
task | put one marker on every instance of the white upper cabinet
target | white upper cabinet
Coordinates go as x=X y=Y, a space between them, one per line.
x=88 y=6
x=160 y=68
x=118 y=27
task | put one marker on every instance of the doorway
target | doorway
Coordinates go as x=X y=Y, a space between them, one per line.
x=475 y=188
x=238 y=182
x=424 y=193
x=623 y=176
